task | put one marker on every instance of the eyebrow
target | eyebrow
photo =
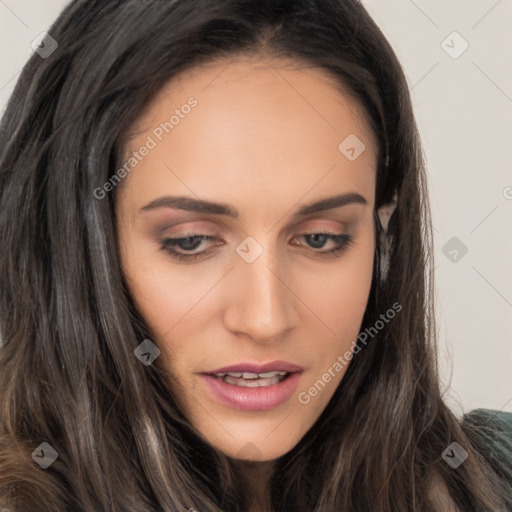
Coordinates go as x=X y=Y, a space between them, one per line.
x=202 y=206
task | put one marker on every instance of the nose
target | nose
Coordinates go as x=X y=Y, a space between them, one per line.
x=262 y=304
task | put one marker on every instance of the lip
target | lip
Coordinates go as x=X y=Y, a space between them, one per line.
x=252 y=399
x=283 y=366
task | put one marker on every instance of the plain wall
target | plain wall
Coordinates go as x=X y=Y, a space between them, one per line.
x=463 y=106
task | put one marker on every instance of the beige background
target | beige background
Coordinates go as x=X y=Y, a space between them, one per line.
x=463 y=105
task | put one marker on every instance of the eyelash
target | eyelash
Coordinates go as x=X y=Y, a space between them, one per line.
x=344 y=242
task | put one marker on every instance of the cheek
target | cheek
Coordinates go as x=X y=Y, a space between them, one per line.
x=339 y=300
x=338 y=294
x=163 y=301
x=157 y=291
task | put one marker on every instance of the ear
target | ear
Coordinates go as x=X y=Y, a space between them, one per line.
x=385 y=212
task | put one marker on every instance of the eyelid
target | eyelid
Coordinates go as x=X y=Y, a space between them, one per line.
x=316 y=225
x=204 y=225
x=193 y=226
x=343 y=243
x=309 y=230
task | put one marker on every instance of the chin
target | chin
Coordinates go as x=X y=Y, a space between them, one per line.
x=257 y=450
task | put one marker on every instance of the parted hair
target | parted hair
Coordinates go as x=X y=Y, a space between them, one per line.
x=68 y=325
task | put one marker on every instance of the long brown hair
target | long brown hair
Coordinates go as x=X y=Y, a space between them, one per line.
x=68 y=376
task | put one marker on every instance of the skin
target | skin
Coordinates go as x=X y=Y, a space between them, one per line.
x=263 y=139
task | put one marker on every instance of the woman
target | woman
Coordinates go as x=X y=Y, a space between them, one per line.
x=216 y=248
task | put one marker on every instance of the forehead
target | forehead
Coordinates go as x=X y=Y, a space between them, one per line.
x=256 y=123
x=288 y=87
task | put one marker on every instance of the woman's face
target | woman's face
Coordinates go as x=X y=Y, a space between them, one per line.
x=252 y=149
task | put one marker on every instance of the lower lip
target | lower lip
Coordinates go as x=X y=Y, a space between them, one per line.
x=253 y=399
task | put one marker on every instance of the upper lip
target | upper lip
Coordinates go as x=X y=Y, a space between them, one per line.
x=248 y=367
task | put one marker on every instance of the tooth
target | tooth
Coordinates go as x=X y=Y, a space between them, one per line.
x=253 y=383
x=234 y=374
x=248 y=375
x=269 y=374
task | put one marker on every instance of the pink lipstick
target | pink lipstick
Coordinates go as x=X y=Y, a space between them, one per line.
x=253 y=387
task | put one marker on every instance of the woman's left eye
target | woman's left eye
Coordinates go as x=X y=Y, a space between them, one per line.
x=192 y=242
x=342 y=242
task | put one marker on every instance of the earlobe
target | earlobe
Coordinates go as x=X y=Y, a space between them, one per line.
x=385 y=212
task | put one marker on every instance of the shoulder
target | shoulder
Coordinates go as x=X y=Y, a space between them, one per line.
x=491 y=431
x=492 y=417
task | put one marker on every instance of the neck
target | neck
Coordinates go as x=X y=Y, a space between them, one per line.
x=256 y=475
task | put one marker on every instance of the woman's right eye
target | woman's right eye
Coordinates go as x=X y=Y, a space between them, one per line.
x=188 y=243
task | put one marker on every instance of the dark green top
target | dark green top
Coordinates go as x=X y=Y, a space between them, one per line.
x=491 y=432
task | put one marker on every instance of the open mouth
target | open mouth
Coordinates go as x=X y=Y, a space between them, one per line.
x=252 y=380
x=252 y=391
